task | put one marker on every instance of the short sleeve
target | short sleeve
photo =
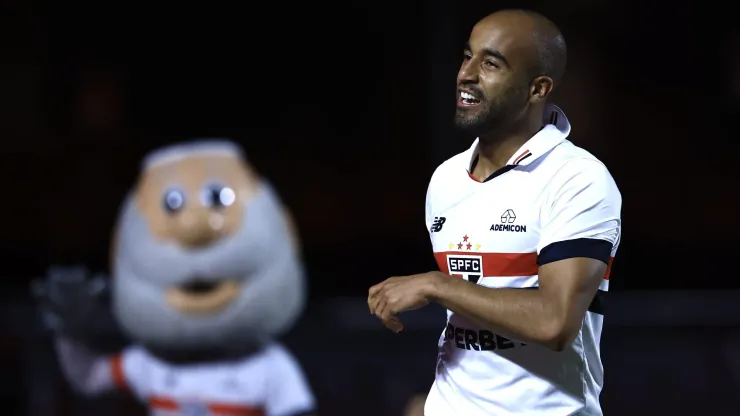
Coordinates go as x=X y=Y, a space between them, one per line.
x=581 y=216
x=428 y=208
x=129 y=371
x=289 y=393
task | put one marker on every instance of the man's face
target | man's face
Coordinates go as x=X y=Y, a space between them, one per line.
x=492 y=84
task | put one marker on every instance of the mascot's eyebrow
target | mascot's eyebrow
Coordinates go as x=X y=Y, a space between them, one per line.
x=203 y=147
x=166 y=158
x=213 y=167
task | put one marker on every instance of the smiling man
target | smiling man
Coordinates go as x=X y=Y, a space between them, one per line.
x=524 y=226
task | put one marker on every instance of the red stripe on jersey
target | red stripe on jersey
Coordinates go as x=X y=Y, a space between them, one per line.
x=116 y=370
x=162 y=403
x=233 y=410
x=609 y=268
x=495 y=264
x=524 y=153
x=473 y=177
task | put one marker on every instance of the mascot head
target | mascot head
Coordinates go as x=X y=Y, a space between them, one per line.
x=204 y=255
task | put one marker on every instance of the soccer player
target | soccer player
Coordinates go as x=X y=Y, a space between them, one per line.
x=524 y=226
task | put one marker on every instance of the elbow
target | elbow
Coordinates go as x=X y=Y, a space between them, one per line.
x=558 y=336
x=557 y=344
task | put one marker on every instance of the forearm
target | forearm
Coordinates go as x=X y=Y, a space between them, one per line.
x=86 y=371
x=523 y=315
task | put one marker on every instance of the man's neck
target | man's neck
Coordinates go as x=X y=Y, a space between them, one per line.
x=495 y=149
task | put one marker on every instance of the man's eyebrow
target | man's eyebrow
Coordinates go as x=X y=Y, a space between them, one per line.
x=491 y=52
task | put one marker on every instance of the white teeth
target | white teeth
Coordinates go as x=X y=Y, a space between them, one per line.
x=467 y=96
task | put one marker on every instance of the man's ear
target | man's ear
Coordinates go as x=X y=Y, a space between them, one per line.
x=540 y=88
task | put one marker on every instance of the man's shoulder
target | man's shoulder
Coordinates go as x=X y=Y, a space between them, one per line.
x=569 y=167
x=567 y=158
x=568 y=152
x=452 y=167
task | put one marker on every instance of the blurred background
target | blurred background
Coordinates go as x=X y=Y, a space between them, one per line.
x=347 y=108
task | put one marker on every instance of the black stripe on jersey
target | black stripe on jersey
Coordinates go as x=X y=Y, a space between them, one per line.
x=591 y=248
x=520 y=160
x=597 y=303
x=494 y=174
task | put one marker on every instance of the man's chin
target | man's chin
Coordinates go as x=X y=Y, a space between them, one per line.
x=467 y=124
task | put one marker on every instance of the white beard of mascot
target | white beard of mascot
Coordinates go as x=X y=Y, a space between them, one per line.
x=206 y=272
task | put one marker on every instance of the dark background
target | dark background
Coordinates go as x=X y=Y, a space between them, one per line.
x=347 y=108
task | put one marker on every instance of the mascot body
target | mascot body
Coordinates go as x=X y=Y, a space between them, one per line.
x=206 y=272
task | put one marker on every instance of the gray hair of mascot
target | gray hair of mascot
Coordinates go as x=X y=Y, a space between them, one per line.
x=204 y=254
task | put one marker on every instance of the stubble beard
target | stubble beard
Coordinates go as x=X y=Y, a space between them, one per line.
x=497 y=115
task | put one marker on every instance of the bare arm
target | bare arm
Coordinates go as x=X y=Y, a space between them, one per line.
x=550 y=316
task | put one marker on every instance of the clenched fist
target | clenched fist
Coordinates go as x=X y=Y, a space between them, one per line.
x=399 y=294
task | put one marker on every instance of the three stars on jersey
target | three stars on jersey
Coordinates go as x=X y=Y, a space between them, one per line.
x=466 y=259
x=468 y=267
x=464 y=243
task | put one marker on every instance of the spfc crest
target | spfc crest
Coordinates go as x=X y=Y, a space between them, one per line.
x=467 y=266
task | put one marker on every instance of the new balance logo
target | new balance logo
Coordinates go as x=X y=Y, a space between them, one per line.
x=437 y=224
x=507 y=223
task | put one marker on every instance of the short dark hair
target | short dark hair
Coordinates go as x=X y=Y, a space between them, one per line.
x=551 y=57
x=550 y=48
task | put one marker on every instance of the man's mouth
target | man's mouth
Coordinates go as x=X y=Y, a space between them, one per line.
x=203 y=296
x=467 y=99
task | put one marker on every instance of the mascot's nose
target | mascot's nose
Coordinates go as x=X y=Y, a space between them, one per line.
x=198 y=228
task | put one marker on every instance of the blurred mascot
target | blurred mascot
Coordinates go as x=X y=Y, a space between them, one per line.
x=206 y=273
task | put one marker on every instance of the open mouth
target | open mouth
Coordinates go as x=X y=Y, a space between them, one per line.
x=203 y=296
x=467 y=99
x=199 y=287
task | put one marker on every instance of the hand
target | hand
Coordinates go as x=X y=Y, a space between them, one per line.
x=399 y=294
x=67 y=298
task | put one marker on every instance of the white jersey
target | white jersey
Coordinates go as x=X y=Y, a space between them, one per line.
x=551 y=202
x=269 y=383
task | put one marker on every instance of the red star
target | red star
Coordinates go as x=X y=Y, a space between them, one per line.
x=469 y=245
x=465 y=238
x=459 y=246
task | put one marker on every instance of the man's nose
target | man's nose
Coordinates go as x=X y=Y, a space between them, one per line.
x=468 y=73
x=198 y=227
